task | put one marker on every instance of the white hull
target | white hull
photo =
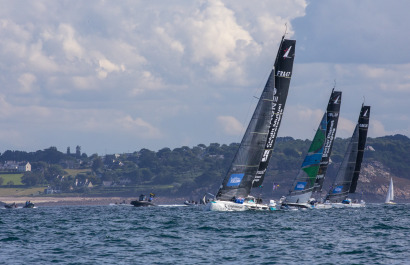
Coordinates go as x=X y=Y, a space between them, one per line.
x=291 y=206
x=229 y=206
x=348 y=205
x=323 y=206
x=391 y=203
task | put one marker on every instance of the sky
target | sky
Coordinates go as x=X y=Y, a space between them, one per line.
x=119 y=76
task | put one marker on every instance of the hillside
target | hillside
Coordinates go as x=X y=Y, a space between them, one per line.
x=191 y=172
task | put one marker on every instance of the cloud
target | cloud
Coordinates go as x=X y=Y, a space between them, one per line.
x=369 y=32
x=138 y=69
x=27 y=80
x=345 y=127
x=71 y=46
x=105 y=67
x=230 y=125
x=140 y=127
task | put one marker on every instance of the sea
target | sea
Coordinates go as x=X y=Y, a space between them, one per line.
x=377 y=234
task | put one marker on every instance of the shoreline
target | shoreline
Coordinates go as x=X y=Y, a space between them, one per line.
x=79 y=201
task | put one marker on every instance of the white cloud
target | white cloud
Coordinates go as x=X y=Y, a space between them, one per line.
x=230 y=125
x=140 y=127
x=84 y=82
x=39 y=61
x=137 y=69
x=27 y=80
x=71 y=46
x=345 y=127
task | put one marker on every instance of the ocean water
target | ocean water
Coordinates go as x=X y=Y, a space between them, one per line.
x=377 y=234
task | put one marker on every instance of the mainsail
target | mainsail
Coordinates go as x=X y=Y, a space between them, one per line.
x=333 y=109
x=390 y=192
x=241 y=174
x=344 y=176
x=305 y=180
x=363 y=127
x=283 y=67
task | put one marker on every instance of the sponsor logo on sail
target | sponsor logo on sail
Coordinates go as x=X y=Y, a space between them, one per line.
x=283 y=73
x=329 y=139
x=235 y=180
x=276 y=117
x=365 y=113
x=338 y=189
x=265 y=155
x=300 y=186
x=275 y=98
x=337 y=100
x=286 y=55
x=364 y=125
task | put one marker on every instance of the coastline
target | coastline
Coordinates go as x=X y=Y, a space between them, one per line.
x=79 y=201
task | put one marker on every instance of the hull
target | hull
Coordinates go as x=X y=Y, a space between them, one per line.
x=30 y=205
x=390 y=203
x=10 y=206
x=348 y=205
x=142 y=204
x=323 y=206
x=289 y=205
x=229 y=206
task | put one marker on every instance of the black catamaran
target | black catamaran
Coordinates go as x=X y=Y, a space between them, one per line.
x=347 y=175
x=251 y=160
x=317 y=157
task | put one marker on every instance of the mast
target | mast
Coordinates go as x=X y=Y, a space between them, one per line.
x=363 y=128
x=332 y=111
x=283 y=67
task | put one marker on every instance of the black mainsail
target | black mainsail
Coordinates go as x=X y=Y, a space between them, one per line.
x=283 y=73
x=363 y=128
x=344 y=175
x=332 y=113
x=241 y=174
x=350 y=167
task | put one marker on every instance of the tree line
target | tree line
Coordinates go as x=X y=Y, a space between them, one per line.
x=185 y=170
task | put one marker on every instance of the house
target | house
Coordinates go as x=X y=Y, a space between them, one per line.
x=50 y=190
x=24 y=167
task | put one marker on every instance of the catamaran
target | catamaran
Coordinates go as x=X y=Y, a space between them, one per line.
x=252 y=158
x=349 y=171
x=390 y=193
x=313 y=169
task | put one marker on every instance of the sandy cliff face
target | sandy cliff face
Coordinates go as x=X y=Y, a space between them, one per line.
x=374 y=181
